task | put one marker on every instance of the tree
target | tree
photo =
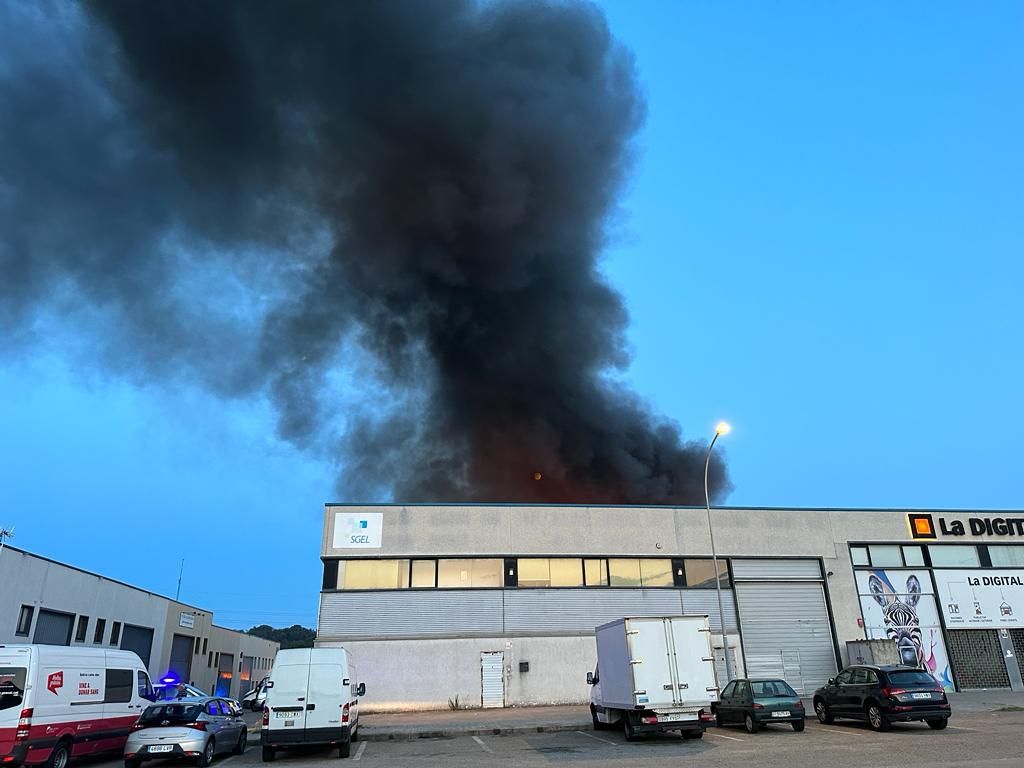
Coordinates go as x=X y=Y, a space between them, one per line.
x=295 y=636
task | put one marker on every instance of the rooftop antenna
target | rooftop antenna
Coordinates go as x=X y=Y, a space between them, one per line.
x=5 y=533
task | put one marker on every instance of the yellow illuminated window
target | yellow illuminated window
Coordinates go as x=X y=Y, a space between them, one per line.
x=374 y=574
x=423 y=573
x=550 y=572
x=623 y=572
x=656 y=573
x=596 y=572
x=455 y=574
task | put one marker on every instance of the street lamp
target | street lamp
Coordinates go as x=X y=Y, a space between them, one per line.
x=722 y=428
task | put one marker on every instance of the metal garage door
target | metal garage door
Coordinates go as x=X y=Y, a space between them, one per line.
x=492 y=679
x=180 y=664
x=977 y=659
x=225 y=674
x=53 y=628
x=138 y=639
x=786 y=632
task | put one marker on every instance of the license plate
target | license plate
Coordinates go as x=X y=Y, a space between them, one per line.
x=921 y=696
x=283 y=715
x=783 y=713
x=675 y=717
x=162 y=748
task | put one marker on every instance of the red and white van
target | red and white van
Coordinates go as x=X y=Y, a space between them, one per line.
x=57 y=702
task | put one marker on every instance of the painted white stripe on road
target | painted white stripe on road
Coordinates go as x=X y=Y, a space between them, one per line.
x=483 y=746
x=837 y=731
x=722 y=736
x=359 y=752
x=598 y=738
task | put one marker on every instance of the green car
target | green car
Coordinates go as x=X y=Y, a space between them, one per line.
x=757 y=702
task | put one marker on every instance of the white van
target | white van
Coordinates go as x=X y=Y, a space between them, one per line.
x=312 y=698
x=58 y=702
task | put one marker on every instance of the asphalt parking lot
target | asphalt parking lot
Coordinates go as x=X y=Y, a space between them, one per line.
x=987 y=740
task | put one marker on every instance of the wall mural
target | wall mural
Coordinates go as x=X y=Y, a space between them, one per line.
x=900 y=605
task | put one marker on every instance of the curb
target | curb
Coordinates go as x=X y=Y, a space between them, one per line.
x=365 y=734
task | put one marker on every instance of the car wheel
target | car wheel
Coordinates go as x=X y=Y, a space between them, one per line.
x=627 y=728
x=750 y=723
x=718 y=719
x=939 y=724
x=243 y=742
x=345 y=749
x=598 y=725
x=60 y=756
x=268 y=755
x=798 y=725
x=209 y=750
x=876 y=719
x=822 y=711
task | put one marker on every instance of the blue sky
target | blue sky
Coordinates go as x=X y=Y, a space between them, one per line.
x=821 y=242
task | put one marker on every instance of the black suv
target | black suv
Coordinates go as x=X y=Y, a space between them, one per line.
x=883 y=695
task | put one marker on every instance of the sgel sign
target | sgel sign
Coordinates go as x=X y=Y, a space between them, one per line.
x=358 y=530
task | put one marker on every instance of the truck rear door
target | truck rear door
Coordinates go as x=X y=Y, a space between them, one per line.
x=287 y=699
x=694 y=662
x=650 y=659
x=328 y=696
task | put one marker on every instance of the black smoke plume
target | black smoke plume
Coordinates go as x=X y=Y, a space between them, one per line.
x=386 y=216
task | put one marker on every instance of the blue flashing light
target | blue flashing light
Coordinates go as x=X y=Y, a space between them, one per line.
x=169 y=679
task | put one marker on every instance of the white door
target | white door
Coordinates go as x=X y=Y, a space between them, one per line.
x=287 y=699
x=695 y=666
x=651 y=660
x=492 y=679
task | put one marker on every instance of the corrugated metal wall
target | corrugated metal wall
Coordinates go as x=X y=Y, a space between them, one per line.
x=776 y=569
x=462 y=613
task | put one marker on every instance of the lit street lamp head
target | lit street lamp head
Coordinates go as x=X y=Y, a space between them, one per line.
x=722 y=428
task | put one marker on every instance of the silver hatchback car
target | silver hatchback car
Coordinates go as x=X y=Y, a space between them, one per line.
x=195 y=728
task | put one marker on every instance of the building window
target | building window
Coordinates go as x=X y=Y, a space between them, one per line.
x=374 y=574
x=330 y=574
x=119 y=684
x=101 y=630
x=958 y=556
x=550 y=572
x=595 y=572
x=1006 y=556
x=209 y=660
x=82 y=630
x=25 y=620
x=197 y=647
x=455 y=574
x=115 y=633
x=700 y=574
x=204 y=645
x=656 y=573
x=424 y=574
x=885 y=556
x=913 y=556
x=859 y=556
x=623 y=572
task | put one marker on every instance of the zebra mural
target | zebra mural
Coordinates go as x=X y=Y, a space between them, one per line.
x=899 y=612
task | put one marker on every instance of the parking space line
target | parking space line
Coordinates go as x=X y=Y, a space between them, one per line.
x=837 y=731
x=483 y=746
x=723 y=736
x=598 y=738
x=359 y=752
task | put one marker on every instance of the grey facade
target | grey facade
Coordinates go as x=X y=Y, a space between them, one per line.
x=43 y=601
x=422 y=593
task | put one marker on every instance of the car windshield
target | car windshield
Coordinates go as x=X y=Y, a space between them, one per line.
x=911 y=677
x=171 y=714
x=766 y=688
x=12 y=686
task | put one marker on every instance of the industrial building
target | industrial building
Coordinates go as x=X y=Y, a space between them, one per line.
x=439 y=603
x=46 y=602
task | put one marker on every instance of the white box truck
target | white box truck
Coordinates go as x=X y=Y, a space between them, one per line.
x=654 y=675
x=312 y=699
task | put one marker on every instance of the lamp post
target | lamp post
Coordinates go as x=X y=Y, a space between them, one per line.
x=722 y=428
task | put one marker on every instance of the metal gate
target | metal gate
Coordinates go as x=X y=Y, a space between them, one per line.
x=53 y=628
x=138 y=639
x=492 y=679
x=977 y=659
x=786 y=632
x=180 y=665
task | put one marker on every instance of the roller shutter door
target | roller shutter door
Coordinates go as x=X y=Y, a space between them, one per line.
x=181 y=657
x=978 y=659
x=786 y=632
x=492 y=679
x=138 y=639
x=53 y=628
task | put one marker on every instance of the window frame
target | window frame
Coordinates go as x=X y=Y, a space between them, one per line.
x=26 y=615
x=115 y=633
x=109 y=687
x=82 y=628
x=99 y=632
